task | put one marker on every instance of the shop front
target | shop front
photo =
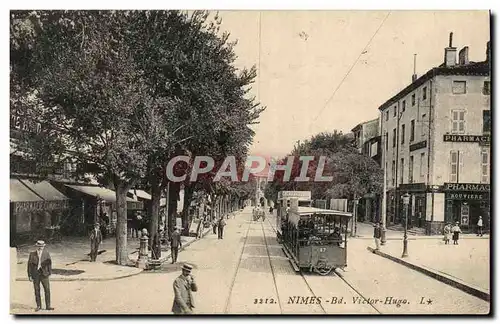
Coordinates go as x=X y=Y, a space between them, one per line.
x=465 y=202
x=417 y=204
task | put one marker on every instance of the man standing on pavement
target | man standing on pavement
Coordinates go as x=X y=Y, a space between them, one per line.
x=480 y=226
x=376 y=235
x=175 y=243
x=183 y=285
x=39 y=271
x=222 y=223
x=95 y=241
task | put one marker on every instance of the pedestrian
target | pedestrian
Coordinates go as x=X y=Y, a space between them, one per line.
x=377 y=235
x=214 y=225
x=175 y=243
x=95 y=241
x=447 y=233
x=221 y=224
x=183 y=286
x=480 y=226
x=456 y=232
x=39 y=271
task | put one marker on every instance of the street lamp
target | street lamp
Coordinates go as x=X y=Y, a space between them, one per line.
x=406 y=202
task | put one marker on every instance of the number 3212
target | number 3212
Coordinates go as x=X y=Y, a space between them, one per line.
x=263 y=301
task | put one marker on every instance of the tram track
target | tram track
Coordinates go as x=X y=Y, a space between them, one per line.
x=337 y=273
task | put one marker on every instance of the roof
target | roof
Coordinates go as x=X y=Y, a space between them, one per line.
x=45 y=190
x=313 y=210
x=19 y=192
x=141 y=194
x=473 y=68
x=360 y=125
x=103 y=193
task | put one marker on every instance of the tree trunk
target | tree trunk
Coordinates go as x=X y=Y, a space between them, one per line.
x=173 y=197
x=121 y=222
x=155 y=212
x=188 y=196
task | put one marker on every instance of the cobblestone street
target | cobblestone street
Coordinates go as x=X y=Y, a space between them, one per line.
x=247 y=272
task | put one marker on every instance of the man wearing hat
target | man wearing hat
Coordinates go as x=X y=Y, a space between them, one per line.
x=183 y=285
x=39 y=271
x=377 y=234
x=175 y=243
x=95 y=240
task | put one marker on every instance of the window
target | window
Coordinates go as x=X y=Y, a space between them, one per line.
x=424 y=124
x=410 y=170
x=402 y=170
x=374 y=149
x=424 y=93
x=393 y=173
x=413 y=100
x=395 y=111
x=459 y=87
x=486 y=121
x=458 y=121
x=403 y=134
x=454 y=165
x=422 y=164
x=387 y=115
x=386 y=141
x=486 y=88
x=403 y=106
x=485 y=165
x=412 y=130
x=394 y=137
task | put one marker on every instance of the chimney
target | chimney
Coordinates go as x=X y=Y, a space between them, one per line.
x=414 y=76
x=488 y=51
x=463 y=56
x=450 y=53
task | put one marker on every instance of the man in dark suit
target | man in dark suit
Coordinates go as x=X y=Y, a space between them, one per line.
x=39 y=271
x=175 y=243
x=221 y=225
x=95 y=240
x=183 y=285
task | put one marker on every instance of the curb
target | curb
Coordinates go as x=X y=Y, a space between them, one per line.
x=108 y=278
x=167 y=256
x=454 y=282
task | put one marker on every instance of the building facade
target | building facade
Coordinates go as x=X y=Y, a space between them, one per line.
x=436 y=145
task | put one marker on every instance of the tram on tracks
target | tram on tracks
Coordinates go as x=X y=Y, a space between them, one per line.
x=314 y=239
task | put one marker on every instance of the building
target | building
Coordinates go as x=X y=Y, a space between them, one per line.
x=436 y=145
x=367 y=141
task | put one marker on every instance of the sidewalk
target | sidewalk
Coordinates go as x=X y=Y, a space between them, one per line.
x=70 y=260
x=465 y=266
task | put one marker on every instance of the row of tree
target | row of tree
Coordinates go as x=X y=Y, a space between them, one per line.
x=122 y=92
x=353 y=174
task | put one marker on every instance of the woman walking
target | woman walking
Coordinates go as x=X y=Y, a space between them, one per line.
x=456 y=232
x=447 y=233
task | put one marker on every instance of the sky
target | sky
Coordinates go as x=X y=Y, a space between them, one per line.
x=306 y=55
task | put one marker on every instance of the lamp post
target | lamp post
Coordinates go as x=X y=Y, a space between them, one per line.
x=406 y=202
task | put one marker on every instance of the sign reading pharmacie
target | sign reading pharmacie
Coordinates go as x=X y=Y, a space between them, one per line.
x=467 y=191
x=481 y=139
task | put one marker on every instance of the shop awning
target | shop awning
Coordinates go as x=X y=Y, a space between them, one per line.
x=141 y=194
x=19 y=192
x=45 y=190
x=103 y=193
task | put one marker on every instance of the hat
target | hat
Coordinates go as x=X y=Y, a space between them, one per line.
x=40 y=243
x=187 y=267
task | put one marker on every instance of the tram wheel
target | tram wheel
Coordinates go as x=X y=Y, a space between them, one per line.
x=323 y=271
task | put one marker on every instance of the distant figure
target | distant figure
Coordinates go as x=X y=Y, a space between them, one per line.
x=183 y=286
x=39 y=271
x=95 y=241
x=377 y=235
x=214 y=226
x=480 y=226
x=456 y=232
x=136 y=223
x=447 y=233
x=221 y=224
x=271 y=210
x=175 y=243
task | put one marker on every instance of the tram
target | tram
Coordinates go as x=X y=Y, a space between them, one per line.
x=315 y=239
x=283 y=207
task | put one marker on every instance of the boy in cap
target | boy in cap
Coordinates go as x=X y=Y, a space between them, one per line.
x=39 y=271
x=183 y=285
